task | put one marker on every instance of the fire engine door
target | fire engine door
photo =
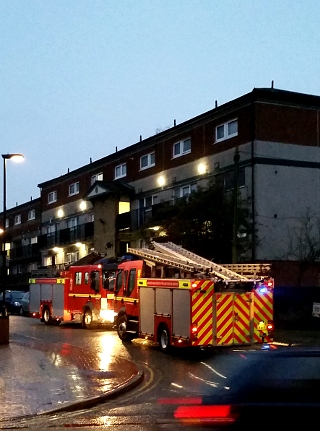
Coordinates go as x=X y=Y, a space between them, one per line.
x=233 y=318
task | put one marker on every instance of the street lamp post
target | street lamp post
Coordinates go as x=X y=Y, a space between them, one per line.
x=15 y=157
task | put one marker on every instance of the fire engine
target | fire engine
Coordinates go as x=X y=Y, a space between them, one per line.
x=82 y=294
x=177 y=298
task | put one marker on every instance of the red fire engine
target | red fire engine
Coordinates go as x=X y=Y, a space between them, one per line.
x=177 y=298
x=82 y=294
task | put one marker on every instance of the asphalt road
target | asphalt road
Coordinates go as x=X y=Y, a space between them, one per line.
x=169 y=378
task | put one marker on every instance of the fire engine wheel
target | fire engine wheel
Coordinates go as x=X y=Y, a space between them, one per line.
x=164 y=339
x=122 y=328
x=47 y=316
x=87 y=319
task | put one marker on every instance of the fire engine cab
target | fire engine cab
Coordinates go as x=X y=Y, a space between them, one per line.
x=177 y=298
x=82 y=294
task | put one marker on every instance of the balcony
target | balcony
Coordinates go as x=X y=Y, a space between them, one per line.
x=67 y=236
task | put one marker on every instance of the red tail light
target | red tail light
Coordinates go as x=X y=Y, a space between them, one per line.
x=208 y=414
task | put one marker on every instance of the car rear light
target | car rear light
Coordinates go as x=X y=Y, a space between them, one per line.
x=215 y=414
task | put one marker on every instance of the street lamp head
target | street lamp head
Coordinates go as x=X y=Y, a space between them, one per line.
x=16 y=157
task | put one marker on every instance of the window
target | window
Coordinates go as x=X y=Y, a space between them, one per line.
x=181 y=148
x=51 y=230
x=31 y=214
x=34 y=240
x=7 y=223
x=227 y=130
x=74 y=189
x=120 y=171
x=180 y=192
x=145 y=207
x=86 y=278
x=72 y=223
x=131 y=281
x=96 y=177
x=17 y=219
x=228 y=179
x=72 y=257
x=147 y=161
x=52 y=197
x=78 y=278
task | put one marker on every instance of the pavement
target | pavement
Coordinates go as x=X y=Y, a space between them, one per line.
x=38 y=378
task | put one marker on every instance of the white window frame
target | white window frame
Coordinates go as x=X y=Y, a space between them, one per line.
x=72 y=257
x=74 y=189
x=96 y=177
x=7 y=223
x=150 y=161
x=52 y=197
x=225 y=129
x=31 y=214
x=17 y=219
x=186 y=190
x=120 y=171
x=181 y=148
x=72 y=223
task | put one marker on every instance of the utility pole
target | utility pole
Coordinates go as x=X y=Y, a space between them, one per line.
x=236 y=159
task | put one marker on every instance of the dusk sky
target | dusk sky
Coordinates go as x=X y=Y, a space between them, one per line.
x=79 y=78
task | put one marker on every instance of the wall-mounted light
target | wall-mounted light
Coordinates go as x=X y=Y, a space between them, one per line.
x=56 y=249
x=83 y=205
x=78 y=244
x=161 y=181
x=60 y=213
x=202 y=168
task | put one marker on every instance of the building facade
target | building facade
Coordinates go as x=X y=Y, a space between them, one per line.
x=266 y=142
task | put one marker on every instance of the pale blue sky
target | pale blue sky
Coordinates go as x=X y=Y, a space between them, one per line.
x=79 y=78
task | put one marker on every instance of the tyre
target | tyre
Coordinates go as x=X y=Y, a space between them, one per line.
x=164 y=339
x=87 y=321
x=47 y=316
x=122 y=324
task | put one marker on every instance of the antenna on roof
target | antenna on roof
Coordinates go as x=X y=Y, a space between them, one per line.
x=272 y=82
x=216 y=104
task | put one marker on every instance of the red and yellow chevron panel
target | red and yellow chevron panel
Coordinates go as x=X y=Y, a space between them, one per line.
x=263 y=313
x=202 y=312
x=233 y=318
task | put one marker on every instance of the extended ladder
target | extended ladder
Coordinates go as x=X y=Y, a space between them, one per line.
x=179 y=252
x=172 y=255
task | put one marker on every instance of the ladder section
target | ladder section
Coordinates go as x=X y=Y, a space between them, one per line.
x=166 y=259
x=179 y=252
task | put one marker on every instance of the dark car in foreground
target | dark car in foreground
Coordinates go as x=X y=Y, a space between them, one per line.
x=13 y=300
x=275 y=389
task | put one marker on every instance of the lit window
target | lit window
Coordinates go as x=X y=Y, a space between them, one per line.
x=52 y=197
x=31 y=214
x=74 y=189
x=96 y=177
x=147 y=161
x=17 y=219
x=226 y=130
x=181 y=148
x=120 y=171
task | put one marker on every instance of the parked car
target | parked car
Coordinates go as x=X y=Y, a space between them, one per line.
x=25 y=305
x=13 y=300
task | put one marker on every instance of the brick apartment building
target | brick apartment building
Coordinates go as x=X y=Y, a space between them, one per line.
x=101 y=206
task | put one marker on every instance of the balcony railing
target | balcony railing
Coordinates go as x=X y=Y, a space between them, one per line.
x=67 y=236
